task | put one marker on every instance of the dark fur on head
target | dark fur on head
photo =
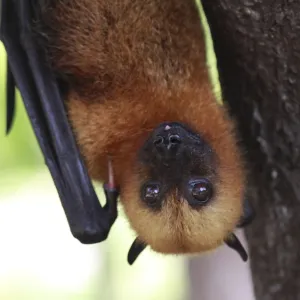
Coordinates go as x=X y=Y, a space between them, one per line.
x=175 y=158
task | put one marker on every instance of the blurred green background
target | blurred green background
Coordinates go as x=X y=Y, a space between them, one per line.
x=39 y=259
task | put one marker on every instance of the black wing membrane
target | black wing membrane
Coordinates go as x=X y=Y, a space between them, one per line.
x=248 y=214
x=10 y=98
x=88 y=221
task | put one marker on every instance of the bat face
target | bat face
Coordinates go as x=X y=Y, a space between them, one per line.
x=179 y=164
x=181 y=200
x=181 y=181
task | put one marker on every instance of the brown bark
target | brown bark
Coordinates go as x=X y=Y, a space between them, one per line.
x=257 y=43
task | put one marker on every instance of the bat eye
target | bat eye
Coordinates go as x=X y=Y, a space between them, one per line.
x=151 y=193
x=201 y=190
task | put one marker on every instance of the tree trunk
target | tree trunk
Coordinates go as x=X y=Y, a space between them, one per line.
x=257 y=44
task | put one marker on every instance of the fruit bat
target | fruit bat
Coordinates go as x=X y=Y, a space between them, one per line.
x=119 y=91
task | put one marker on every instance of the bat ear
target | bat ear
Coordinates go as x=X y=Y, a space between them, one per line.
x=248 y=214
x=135 y=250
x=233 y=242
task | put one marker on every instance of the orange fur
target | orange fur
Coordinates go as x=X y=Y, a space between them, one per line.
x=132 y=65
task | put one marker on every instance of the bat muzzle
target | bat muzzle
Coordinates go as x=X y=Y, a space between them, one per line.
x=169 y=143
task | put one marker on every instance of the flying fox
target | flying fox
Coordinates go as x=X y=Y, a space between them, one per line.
x=119 y=92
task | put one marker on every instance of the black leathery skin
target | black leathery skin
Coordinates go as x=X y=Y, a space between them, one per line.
x=135 y=250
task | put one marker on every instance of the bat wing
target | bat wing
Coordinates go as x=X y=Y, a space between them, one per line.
x=248 y=214
x=88 y=221
x=10 y=96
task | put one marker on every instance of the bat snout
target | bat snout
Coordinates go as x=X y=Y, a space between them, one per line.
x=167 y=142
x=167 y=145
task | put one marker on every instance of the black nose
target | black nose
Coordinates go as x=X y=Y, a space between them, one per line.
x=167 y=144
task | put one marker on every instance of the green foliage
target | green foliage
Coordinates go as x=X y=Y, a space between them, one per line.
x=20 y=148
x=210 y=54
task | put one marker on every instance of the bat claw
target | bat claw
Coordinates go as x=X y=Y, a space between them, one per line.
x=135 y=250
x=233 y=242
x=111 y=195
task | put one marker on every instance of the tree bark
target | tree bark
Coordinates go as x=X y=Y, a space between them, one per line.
x=257 y=44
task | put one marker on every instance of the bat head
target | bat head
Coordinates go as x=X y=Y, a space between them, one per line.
x=183 y=193
x=178 y=166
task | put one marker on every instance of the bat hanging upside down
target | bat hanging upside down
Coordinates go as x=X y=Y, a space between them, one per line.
x=133 y=77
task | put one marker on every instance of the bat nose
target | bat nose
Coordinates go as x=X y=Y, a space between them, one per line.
x=167 y=144
x=171 y=147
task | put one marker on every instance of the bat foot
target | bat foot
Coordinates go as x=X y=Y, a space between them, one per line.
x=112 y=195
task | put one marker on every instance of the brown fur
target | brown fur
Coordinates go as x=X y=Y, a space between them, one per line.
x=132 y=65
